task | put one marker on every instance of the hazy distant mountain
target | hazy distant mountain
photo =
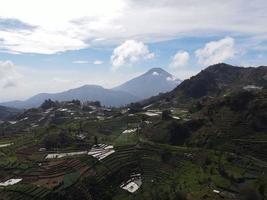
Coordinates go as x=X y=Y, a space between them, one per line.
x=6 y=112
x=85 y=93
x=151 y=83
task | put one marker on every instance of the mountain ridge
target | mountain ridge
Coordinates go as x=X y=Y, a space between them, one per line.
x=84 y=93
x=212 y=81
x=108 y=97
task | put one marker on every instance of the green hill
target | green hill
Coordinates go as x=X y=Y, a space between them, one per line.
x=6 y=112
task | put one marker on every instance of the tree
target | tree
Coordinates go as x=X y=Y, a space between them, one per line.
x=48 y=103
x=51 y=141
x=80 y=127
x=97 y=103
x=55 y=140
x=166 y=115
x=96 y=140
x=135 y=107
x=76 y=102
x=178 y=133
x=180 y=196
x=166 y=156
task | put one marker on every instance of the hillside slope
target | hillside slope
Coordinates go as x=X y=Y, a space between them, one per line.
x=6 y=112
x=213 y=81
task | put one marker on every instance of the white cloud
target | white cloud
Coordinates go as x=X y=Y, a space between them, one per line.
x=39 y=41
x=171 y=78
x=216 y=51
x=98 y=62
x=61 y=80
x=129 y=52
x=180 y=59
x=10 y=84
x=80 y=22
x=150 y=56
x=80 y=62
x=84 y=23
x=8 y=74
x=185 y=73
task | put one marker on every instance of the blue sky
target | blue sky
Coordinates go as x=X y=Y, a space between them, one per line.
x=108 y=42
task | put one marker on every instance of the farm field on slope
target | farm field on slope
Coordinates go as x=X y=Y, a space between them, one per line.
x=172 y=146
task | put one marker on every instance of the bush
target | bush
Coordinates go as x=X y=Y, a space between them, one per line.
x=166 y=156
x=55 y=140
x=178 y=133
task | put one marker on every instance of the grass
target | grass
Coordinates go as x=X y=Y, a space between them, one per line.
x=70 y=179
x=26 y=191
x=128 y=138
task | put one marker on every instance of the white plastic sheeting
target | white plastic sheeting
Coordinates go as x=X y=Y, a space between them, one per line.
x=10 y=182
x=101 y=151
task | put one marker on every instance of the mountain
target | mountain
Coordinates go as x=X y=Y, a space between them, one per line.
x=151 y=83
x=107 y=97
x=215 y=80
x=6 y=112
x=220 y=78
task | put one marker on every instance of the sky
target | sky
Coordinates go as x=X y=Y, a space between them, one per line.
x=52 y=46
